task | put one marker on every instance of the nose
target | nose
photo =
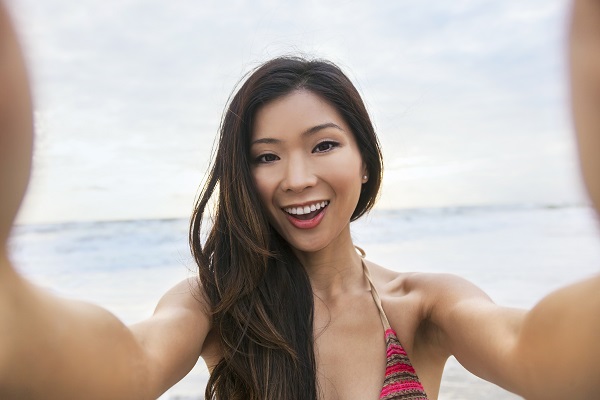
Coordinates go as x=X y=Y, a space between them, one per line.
x=298 y=175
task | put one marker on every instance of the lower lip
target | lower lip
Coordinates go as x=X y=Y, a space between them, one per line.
x=309 y=223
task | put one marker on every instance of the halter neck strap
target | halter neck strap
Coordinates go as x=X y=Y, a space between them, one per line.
x=376 y=298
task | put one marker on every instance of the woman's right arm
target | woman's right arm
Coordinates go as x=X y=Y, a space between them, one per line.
x=52 y=348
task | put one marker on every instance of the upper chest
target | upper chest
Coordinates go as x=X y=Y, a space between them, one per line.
x=350 y=349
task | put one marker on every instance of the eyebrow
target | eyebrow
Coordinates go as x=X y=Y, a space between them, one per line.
x=308 y=132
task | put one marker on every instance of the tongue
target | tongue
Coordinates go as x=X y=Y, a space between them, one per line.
x=308 y=216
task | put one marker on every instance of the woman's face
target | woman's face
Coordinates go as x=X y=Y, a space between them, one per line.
x=307 y=169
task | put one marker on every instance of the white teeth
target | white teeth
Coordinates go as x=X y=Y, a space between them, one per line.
x=305 y=209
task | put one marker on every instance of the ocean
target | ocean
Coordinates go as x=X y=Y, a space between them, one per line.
x=517 y=254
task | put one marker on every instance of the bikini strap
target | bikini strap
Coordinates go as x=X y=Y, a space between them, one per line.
x=376 y=298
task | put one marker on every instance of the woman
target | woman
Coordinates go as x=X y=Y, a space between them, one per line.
x=284 y=307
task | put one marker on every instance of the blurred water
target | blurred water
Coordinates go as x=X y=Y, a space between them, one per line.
x=516 y=254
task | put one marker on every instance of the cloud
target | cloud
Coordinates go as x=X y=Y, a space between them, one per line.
x=445 y=81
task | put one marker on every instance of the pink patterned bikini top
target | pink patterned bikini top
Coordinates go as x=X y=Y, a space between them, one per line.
x=401 y=381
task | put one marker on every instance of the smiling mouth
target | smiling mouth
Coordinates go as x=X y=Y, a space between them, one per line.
x=308 y=211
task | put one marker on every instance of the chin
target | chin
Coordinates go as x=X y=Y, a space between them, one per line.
x=307 y=246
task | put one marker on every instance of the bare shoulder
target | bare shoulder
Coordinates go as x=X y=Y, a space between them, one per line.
x=422 y=286
x=408 y=299
x=188 y=296
x=184 y=306
x=403 y=296
x=417 y=301
x=174 y=336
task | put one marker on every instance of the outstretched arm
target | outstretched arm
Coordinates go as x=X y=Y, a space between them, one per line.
x=553 y=351
x=550 y=352
x=560 y=337
x=16 y=128
x=585 y=90
x=59 y=349
x=51 y=348
x=559 y=345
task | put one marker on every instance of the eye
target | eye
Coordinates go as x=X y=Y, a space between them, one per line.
x=325 y=146
x=266 y=158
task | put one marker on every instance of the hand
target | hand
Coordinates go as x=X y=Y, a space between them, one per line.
x=16 y=129
x=585 y=90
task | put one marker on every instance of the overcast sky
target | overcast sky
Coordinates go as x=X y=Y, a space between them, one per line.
x=469 y=97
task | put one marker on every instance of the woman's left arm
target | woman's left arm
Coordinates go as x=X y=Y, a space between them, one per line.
x=471 y=327
x=559 y=344
x=550 y=352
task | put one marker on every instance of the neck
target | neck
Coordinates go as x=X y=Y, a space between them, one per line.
x=336 y=269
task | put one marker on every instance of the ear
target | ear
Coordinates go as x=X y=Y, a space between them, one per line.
x=364 y=173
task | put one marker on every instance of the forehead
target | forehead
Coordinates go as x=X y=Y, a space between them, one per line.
x=295 y=113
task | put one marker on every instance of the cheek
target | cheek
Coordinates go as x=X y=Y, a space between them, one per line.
x=266 y=187
x=263 y=186
x=348 y=169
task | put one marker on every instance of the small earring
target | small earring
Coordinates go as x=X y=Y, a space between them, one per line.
x=365 y=178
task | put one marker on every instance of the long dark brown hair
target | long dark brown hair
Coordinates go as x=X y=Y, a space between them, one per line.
x=260 y=296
